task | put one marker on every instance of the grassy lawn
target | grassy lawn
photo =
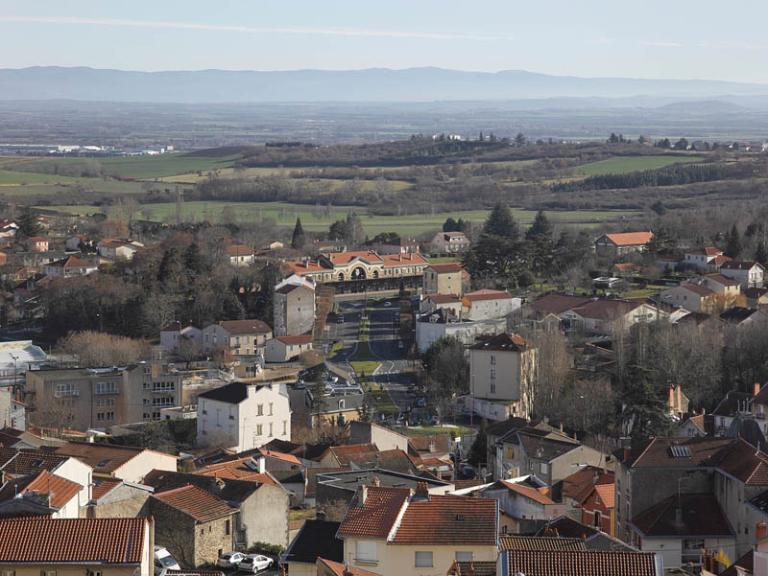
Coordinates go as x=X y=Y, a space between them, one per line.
x=319 y=218
x=646 y=292
x=624 y=164
x=429 y=430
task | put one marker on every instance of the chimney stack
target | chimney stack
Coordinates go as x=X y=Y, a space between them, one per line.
x=421 y=491
x=363 y=495
x=262 y=465
x=756 y=389
x=376 y=482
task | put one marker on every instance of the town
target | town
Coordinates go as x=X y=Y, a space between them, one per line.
x=325 y=403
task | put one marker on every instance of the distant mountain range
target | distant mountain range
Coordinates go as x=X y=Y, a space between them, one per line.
x=370 y=85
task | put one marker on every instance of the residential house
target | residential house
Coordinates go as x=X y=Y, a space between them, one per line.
x=443 y=324
x=525 y=502
x=748 y=273
x=287 y=348
x=84 y=398
x=403 y=531
x=294 y=306
x=41 y=494
x=622 y=243
x=124 y=462
x=116 y=498
x=695 y=297
x=243 y=416
x=547 y=311
x=502 y=372
x=488 y=304
x=449 y=302
x=193 y=524
x=13 y=412
x=682 y=526
x=69 y=267
x=495 y=433
x=315 y=539
x=37 y=243
x=445 y=279
x=610 y=317
x=240 y=255
x=240 y=337
x=340 y=456
x=18 y=357
x=589 y=493
x=592 y=538
x=702 y=258
x=449 y=243
x=549 y=454
x=261 y=508
x=330 y=408
x=333 y=487
x=756 y=297
x=175 y=336
x=114 y=249
x=107 y=546
x=722 y=285
x=382 y=437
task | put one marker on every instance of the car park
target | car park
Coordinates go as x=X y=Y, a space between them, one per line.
x=164 y=561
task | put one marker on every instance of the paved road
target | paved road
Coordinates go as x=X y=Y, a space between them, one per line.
x=383 y=341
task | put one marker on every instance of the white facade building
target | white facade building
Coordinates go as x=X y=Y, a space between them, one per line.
x=243 y=416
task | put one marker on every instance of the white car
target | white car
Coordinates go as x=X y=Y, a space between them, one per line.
x=254 y=563
x=230 y=559
x=164 y=561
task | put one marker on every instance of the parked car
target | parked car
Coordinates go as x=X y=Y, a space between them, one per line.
x=230 y=559
x=254 y=563
x=164 y=561
x=387 y=303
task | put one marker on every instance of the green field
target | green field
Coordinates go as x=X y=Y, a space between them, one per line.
x=318 y=218
x=138 y=167
x=625 y=164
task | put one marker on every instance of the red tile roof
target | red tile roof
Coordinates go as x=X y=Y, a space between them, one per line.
x=59 y=490
x=701 y=516
x=557 y=303
x=486 y=294
x=444 y=298
x=528 y=492
x=242 y=327
x=722 y=280
x=103 y=458
x=374 y=515
x=339 y=569
x=607 y=494
x=543 y=543
x=657 y=452
x=345 y=453
x=280 y=456
x=409 y=259
x=447 y=268
x=42 y=540
x=474 y=568
x=449 y=520
x=578 y=485
x=237 y=470
x=196 y=503
x=580 y=563
x=103 y=486
x=702 y=291
x=630 y=238
x=293 y=340
x=239 y=250
x=343 y=258
x=743 y=462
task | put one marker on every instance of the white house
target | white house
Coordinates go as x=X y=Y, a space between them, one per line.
x=441 y=324
x=174 y=334
x=240 y=337
x=450 y=243
x=240 y=255
x=285 y=348
x=748 y=273
x=69 y=267
x=489 y=304
x=114 y=249
x=702 y=258
x=243 y=416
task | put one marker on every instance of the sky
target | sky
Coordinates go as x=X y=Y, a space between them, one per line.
x=705 y=39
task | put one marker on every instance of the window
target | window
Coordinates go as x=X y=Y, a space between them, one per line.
x=464 y=556
x=270 y=429
x=597 y=519
x=544 y=468
x=66 y=389
x=493 y=360
x=285 y=427
x=227 y=527
x=259 y=429
x=260 y=410
x=7 y=572
x=365 y=551
x=270 y=408
x=423 y=559
x=106 y=388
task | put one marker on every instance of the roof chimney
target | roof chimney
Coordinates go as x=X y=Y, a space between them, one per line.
x=320 y=515
x=376 y=482
x=421 y=492
x=262 y=465
x=363 y=495
x=756 y=389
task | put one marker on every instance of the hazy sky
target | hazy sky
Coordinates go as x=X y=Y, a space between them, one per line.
x=647 y=38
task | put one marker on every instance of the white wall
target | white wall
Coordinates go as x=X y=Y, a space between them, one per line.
x=77 y=471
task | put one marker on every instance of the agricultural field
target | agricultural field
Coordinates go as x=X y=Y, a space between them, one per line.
x=133 y=167
x=319 y=218
x=625 y=164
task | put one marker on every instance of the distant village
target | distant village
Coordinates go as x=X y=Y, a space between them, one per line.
x=392 y=411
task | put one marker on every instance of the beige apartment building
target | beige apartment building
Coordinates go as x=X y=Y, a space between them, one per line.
x=444 y=279
x=83 y=398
